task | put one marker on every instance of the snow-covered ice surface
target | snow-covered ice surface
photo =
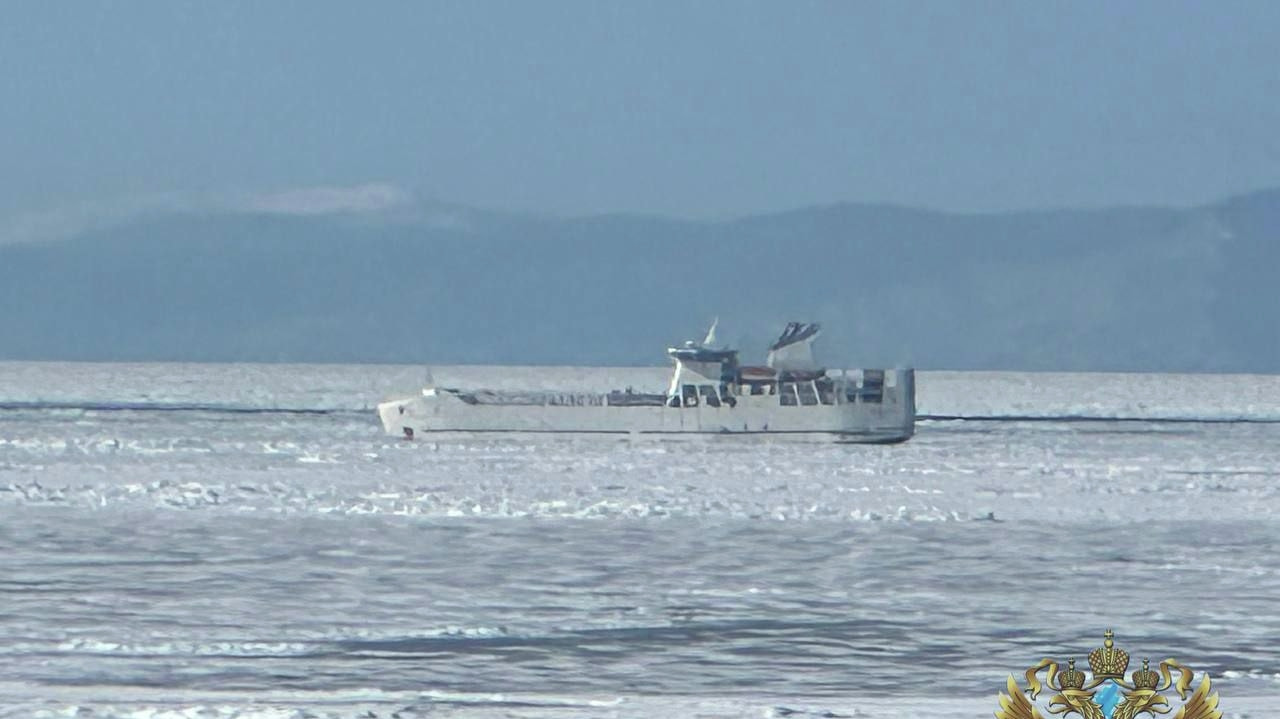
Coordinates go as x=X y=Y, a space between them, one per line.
x=240 y=540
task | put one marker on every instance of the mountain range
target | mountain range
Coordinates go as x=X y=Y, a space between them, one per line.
x=1122 y=289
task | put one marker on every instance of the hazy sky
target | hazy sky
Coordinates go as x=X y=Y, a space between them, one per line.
x=694 y=109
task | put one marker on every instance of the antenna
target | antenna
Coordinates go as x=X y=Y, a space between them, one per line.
x=711 y=333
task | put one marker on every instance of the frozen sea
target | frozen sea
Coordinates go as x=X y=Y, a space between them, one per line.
x=241 y=540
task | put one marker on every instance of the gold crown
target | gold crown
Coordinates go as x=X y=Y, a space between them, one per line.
x=1145 y=678
x=1106 y=661
x=1072 y=678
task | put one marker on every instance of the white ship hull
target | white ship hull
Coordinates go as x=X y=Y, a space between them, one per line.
x=887 y=417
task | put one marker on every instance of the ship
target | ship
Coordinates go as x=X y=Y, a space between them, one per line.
x=710 y=393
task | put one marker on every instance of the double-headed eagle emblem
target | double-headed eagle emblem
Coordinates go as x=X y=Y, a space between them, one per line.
x=1105 y=694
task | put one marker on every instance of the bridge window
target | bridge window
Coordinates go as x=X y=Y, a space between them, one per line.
x=727 y=394
x=872 y=386
x=867 y=393
x=787 y=394
x=807 y=396
x=826 y=391
x=709 y=395
x=689 y=395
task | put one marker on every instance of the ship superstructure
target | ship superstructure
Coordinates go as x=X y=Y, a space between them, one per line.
x=710 y=392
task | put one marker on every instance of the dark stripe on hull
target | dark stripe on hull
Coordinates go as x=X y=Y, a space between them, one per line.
x=1093 y=418
x=888 y=437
